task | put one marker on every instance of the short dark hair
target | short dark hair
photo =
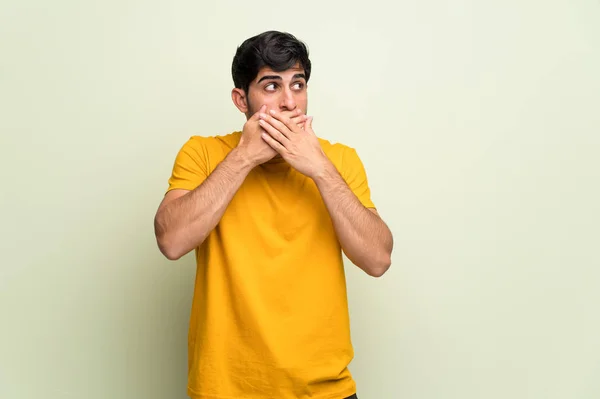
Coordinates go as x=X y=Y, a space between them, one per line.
x=277 y=50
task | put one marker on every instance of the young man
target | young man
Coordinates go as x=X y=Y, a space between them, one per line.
x=269 y=211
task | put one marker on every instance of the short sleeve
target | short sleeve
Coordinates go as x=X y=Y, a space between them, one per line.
x=191 y=166
x=353 y=172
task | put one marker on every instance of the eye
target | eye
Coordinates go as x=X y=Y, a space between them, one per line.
x=271 y=87
x=298 y=85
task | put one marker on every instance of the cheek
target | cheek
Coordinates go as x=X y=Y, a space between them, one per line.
x=301 y=101
x=257 y=100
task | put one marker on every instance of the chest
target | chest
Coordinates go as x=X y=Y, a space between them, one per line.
x=282 y=205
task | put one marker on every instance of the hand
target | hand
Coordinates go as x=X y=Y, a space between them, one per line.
x=300 y=148
x=254 y=148
x=299 y=119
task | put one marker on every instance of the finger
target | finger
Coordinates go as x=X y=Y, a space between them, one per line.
x=284 y=120
x=297 y=114
x=278 y=125
x=262 y=110
x=308 y=125
x=299 y=120
x=273 y=132
x=297 y=117
x=274 y=144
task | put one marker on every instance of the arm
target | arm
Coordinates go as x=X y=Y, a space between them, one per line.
x=185 y=218
x=364 y=237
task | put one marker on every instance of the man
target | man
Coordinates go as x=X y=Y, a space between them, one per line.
x=269 y=211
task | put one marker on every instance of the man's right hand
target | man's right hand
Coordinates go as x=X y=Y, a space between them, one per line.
x=253 y=148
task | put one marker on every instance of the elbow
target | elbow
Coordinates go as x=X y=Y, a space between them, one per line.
x=380 y=259
x=169 y=252
x=166 y=247
x=382 y=262
x=165 y=242
x=380 y=266
x=172 y=244
x=379 y=269
x=172 y=256
x=375 y=266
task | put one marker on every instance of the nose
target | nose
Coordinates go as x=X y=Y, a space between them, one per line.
x=287 y=101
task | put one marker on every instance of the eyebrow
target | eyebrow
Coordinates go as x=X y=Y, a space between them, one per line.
x=277 y=77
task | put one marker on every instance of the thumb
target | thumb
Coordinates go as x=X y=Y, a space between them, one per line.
x=256 y=115
x=308 y=125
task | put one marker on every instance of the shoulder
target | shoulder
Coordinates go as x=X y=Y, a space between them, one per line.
x=341 y=155
x=227 y=141
x=210 y=149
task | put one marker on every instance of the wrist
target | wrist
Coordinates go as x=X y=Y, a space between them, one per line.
x=241 y=160
x=326 y=173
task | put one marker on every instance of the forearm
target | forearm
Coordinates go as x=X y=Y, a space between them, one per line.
x=364 y=237
x=184 y=223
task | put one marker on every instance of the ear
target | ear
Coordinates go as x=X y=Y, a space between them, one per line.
x=239 y=100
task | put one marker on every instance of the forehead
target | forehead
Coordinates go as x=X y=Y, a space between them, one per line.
x=289 y=73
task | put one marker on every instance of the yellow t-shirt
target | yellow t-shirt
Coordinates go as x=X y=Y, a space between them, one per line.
x=270 y=314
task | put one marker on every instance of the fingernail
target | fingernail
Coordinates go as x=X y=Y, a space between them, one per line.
x=272 y=112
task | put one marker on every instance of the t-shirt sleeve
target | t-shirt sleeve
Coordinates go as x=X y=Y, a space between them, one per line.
x=191 y=166
x=353 y=172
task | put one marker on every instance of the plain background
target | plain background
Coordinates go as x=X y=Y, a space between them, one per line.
x=478 y=123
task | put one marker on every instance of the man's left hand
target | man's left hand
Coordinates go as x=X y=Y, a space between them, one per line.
x=300 y=148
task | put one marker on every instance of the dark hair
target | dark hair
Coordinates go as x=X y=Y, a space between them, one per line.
x=277 y=50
